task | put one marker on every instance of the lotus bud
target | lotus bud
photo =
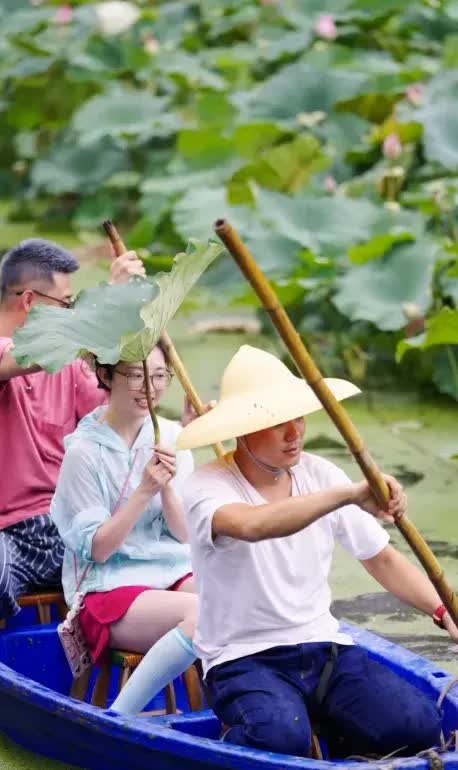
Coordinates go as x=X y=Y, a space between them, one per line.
x=116 y=16
x=64 y=15
x=392 y=146
x=415 y=319
x=325 y=27
x=151 y=46
x=330 y=185
x=414 y=93
x=412 y=311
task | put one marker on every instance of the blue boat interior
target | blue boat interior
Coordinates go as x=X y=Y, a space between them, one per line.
x=36 y=653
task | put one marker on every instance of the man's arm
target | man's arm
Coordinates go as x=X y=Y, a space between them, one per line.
x=279 y=519
x=9 y=368
x=288 y=516
x=400 y=577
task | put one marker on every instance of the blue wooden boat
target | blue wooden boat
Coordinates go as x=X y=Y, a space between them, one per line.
x=37 y=713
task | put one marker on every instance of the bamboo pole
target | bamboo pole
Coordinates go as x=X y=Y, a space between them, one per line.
x=334 y=408
x=174 y=358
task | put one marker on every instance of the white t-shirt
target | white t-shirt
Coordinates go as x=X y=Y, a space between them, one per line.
x=254 y=596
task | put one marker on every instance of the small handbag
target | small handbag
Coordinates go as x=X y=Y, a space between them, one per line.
x=69 y=631
x=71 y=634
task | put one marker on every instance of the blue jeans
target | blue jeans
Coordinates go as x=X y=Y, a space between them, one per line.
x=268 y=700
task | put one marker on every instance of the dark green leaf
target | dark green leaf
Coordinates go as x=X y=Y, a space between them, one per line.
x=441 y=329
x=376 y=247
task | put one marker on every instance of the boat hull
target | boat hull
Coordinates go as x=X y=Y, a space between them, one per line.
x=36 y=713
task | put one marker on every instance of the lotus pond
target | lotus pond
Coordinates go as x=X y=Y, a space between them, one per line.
x=327 y=131
x=412 y=438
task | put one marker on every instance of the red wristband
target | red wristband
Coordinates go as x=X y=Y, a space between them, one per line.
x=438 y=616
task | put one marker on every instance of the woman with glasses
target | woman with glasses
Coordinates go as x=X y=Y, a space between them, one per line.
x=118 y=508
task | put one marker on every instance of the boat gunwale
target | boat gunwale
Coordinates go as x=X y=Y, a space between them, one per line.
x=159 y=733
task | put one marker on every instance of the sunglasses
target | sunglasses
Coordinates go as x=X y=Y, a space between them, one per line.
x=62 y=302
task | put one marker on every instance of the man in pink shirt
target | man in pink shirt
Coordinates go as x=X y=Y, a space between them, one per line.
x=36 y=411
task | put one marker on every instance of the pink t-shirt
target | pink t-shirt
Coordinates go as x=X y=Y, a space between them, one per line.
x=36 y=412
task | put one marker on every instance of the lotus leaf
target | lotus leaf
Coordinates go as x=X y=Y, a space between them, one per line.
x=445 y=374
x=285 y=167
x=114 y=322
x=299 y=88
x=377 y=291
x=72 y=169
x=124 y=114
x=53 y=337
x=317 y=222
x=440 y=127
x=195 y=213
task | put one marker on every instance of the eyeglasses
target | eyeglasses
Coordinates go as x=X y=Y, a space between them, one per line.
x=136 y=380
x=63 y=302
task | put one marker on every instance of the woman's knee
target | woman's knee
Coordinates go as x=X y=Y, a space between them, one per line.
x=188 y=624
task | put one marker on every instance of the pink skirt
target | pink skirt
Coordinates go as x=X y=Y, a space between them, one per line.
x=102 y=609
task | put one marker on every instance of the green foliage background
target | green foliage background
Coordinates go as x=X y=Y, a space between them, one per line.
x=240 y=108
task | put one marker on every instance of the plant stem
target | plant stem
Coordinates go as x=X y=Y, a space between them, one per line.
x=149 y=398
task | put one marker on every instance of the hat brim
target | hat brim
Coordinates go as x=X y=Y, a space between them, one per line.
x=248 y=413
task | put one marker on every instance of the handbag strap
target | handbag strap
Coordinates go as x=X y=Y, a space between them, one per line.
x=121 y=495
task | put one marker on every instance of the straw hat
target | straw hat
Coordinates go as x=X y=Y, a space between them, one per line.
x=257 y=392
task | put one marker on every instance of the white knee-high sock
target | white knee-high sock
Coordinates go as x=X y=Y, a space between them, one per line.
x=168 y=658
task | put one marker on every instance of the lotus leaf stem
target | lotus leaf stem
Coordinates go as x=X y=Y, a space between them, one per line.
x=149 y=398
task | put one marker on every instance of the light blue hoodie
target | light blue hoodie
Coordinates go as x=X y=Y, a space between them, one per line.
x=96 y=465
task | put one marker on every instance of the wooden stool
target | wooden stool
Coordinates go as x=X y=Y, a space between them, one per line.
x=127 y=662
x=315 y=749
x=42 y=601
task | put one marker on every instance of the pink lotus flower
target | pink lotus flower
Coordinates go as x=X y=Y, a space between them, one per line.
x=330 y=185
x=326 y=27
x=64 y=14
x=392 y=146
x=414 y=93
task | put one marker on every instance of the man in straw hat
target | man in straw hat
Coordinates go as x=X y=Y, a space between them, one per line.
x=262 y=526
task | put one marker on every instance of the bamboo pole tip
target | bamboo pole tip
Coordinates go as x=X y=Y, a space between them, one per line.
x=221 y=225
x=110 y=230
